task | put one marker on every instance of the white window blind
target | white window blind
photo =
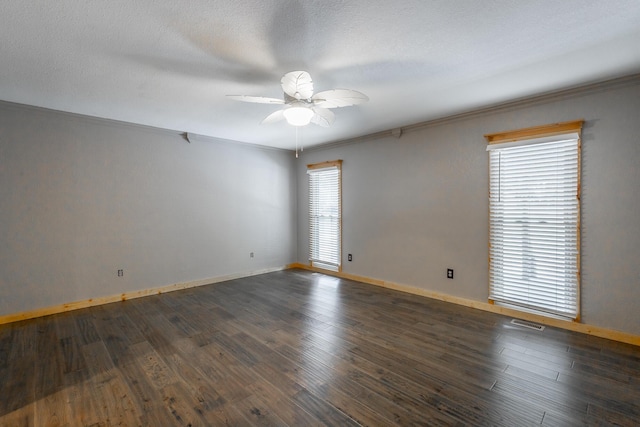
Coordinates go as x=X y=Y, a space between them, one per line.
x=325 y=216
x=534 y=220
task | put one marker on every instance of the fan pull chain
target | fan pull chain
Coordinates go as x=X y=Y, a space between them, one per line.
x=299 y=142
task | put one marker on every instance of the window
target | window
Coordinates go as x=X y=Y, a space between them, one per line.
x=325 y=215
x=534 y=218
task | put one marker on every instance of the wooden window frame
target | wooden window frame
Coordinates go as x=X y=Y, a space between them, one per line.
x=545 y=131
x=323 y=165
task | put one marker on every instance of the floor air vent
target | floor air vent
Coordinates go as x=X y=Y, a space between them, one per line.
x=526 y=324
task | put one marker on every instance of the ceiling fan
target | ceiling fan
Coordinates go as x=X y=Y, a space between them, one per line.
x=301 y=106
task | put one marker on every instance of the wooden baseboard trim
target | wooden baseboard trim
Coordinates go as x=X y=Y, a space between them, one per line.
x=558 y=323
x=92 y=302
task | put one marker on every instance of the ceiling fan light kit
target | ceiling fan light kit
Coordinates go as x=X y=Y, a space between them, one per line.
x=301 y=105
x=298 y=115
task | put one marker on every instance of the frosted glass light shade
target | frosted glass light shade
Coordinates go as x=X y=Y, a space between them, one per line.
x=298 y=116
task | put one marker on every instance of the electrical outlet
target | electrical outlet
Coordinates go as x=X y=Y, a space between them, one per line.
x=449 y=273
x=251 y=255
x=120 y=273
x=349 y=258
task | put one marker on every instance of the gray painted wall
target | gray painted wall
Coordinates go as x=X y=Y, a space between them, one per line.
x=414 y=206
x=81 y=198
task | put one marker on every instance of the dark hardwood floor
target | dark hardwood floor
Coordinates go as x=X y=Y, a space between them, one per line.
x=298 y=348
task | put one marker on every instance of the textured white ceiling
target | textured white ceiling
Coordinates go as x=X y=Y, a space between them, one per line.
x=170 y=63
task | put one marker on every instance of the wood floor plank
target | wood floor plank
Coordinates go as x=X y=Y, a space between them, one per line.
x=156 y=332
x=78 y=392
x=231 y=377
x=147 y=399
x=258 y=412
x=300 y=348
x=153 y=365
x=228 y=415
x=51 y=410
x=615 y=397
x=208 y=395
x=72 y=359
x=86 y=327
x=362 y=404
x=17 y=405
x=323 y=410
x=545 y=400
x=17 y=381
x=109 y=387
x=278 y=397
x=115 y=340
x=242 y=354
x=560 y=420
x=281 y=375
x=48 y=372
x=612 y=415
x=21 y=417
x=177 y=400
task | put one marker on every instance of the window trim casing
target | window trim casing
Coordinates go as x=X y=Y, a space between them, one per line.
x=544 y=131
x=324 y=165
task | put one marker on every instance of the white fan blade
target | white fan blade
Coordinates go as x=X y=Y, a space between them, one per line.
x=297 y=84
x=338 y=98
x=322 y=117
x=256 y=99
x=273 y=117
